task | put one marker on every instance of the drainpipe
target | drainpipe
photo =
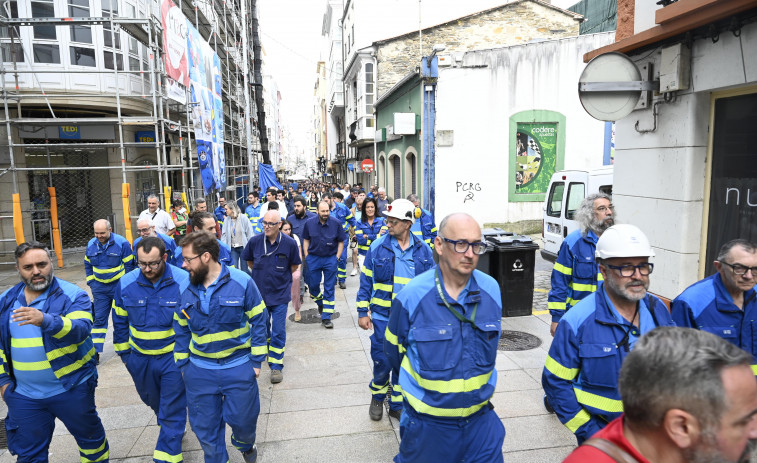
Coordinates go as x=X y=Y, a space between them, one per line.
x=429 y=77
x=375 y=116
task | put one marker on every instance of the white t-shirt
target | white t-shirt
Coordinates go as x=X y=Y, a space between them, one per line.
x=282 y=210
x=160 y=218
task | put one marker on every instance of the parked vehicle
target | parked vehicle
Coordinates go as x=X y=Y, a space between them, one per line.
x=567 y=189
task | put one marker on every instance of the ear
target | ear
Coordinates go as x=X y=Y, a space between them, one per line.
x=165 y=257
x=682 y=428
x=603 y=270
x=717 y=265
x=438 y=244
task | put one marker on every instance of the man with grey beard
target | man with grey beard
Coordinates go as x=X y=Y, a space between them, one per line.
x=580 y=376
x=688 y=397
x=575 y=274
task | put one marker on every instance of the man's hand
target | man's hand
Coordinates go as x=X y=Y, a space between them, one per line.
x=553 y=328
x=365 y=323
x=2 y=390
x=257 y=372
x=27 y=316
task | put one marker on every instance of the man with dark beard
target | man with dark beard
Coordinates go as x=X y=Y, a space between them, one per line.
x=688 y=397
x=580 y=376
x=47 y=365
x=575 y=274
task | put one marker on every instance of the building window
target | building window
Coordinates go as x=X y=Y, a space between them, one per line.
x=110 y=10
x=369 y=92
x=45 y=53
x=83 y=56
x=80 y=9
x=9 y=50
x=108 y=60
x=43 y=9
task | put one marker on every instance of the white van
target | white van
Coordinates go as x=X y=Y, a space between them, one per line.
x=567 y=189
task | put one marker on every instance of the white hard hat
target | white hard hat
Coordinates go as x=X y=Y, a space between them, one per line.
x=401 y=209
x=623 y=240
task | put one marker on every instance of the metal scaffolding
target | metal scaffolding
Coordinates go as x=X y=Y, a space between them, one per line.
x=224 y=25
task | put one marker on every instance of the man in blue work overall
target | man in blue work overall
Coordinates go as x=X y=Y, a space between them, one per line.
x=298 y=218
x=108 y=257
x=390 y=263
x=442 y=336
x=146 y=228
x=594 y=337
x=143 y=336
x=323 y=240
x=220 y=345
x=253 y=209
x=273 y=257
x=341 y=213
x=220 y=211
x=725 y=303
x=424 y=226
x=205 y=221
x=47 y=366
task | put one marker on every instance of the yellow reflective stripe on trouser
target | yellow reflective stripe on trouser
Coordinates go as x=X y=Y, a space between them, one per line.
x=180 y=356
x=421 y=407
x=104 y=456
x=382 y=287
x=402 y=280
x=577 y=421
x=556 y=305
x=560 y=371
x=582 y=287
x=163 y=456
x=598 y=402
x=563 y=269
x=450 y=386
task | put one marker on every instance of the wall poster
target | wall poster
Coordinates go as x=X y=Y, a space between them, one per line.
x=535 y=156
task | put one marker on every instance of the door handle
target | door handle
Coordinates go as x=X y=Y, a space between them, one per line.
x=564 y=232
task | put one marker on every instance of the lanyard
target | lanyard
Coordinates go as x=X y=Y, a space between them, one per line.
x=454 y=312
x=265 y=246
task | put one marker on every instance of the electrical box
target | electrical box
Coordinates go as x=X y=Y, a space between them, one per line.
x=675 y=68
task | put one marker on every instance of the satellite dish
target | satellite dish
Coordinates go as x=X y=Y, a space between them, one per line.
x=610 y=86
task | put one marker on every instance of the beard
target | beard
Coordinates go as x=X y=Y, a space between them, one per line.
x=623 y=292
x=41 y=286
x=599 y=226
x=299 y=215
x=197 y=277
x=707 y=451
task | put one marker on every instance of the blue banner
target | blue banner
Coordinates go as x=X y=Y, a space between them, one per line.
x=267 y=177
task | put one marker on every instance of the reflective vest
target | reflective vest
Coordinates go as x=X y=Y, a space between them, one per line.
x=106 y=264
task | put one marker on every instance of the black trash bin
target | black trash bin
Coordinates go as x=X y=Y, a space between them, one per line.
x=510 y=260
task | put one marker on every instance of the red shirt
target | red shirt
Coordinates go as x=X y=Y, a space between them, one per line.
x=612 y=432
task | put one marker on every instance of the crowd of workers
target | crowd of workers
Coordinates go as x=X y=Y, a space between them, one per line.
x=199 y=303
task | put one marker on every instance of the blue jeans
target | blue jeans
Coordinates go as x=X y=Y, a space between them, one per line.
x=236 y=259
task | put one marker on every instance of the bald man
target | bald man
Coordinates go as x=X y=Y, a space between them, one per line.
x=107 y=259
x=272 y=257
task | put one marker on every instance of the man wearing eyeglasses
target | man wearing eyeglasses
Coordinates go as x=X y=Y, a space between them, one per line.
x=725 y=303
x=390 y=263
x=143 y=336
x=146 y=228
x=575 y=274
x=273 y=257
x=442 y=337
x=580 y=376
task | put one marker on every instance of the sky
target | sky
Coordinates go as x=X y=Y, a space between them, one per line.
x=293 y=45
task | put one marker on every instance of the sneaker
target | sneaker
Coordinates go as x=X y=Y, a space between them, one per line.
x=251 y=456
x=276 y=376
x=342 y=285
x=396 y=414
x=354 y=272
x=376 y=410
x=327 y=324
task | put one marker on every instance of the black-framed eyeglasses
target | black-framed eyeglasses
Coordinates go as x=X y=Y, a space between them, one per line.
x=629 y=270
x=189 y=260
x=270 y=224
x=461 y=246
x=144 y=230
x=152 y=265
x=739 y=269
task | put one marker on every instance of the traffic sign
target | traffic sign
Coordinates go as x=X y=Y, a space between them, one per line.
x=368 y=165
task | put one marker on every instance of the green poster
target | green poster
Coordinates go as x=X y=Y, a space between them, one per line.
x=535 y=156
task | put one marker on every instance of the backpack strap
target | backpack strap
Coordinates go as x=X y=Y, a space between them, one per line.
x=611 y=449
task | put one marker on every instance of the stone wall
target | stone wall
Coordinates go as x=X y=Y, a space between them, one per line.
x=625 y=19
x=510 y=24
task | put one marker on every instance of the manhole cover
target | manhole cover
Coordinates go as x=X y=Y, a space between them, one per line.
x=312 y=316
x=518 y=340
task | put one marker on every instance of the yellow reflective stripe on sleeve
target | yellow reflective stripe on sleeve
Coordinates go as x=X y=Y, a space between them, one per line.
x=67 y=325
x=600 y=277
x=451 y=386
x=421 y=407
x=598 y=402
x=120 y=312
x=434 y=230
x=392 y=339
x=362 y=304
x=180 y=356
x=107 y=270
x=121 y=346
x=259 y=350
x=402 y=280
x=560 y=371
x=128 y=258
x=556 y=305
x=163 y=456
x=79 y=314
x=367 y=272
x=363 y=248
x=220 y=336
x=219 y=354
x=418 y=233
x=86 y=259
x=54 y=354
x=26 y=342
x=382 y=287
x=257 y=310
x=358 y=232
x=563 y=269
x=380 y=302
x=276 y=349
x=754 y=369
x=582 y=287
x=76 y=365
x=135 y=333
x=577 y=421
x=91 y=277
x=31 y=366
x=164 y=350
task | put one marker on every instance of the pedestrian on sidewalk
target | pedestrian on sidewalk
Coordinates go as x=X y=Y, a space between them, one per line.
x=442 y=336
x=391 y=262
x=235 y=233
x=340 y=212
x=297 y=285
x=323 y=240
x=273 y=258
x=220 y=345
x=146 y=228
x=297 y=221
x=205 y=221
x=108 y=257
x=143 y=336
x=47 y=365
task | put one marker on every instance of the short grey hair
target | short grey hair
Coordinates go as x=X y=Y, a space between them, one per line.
x=412 y=198
x=585 y=212
x=681 y=368
x=726 y=248
x=382 y=189
x=153 y=196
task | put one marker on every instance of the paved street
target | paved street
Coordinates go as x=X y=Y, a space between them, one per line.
x=320 y=411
